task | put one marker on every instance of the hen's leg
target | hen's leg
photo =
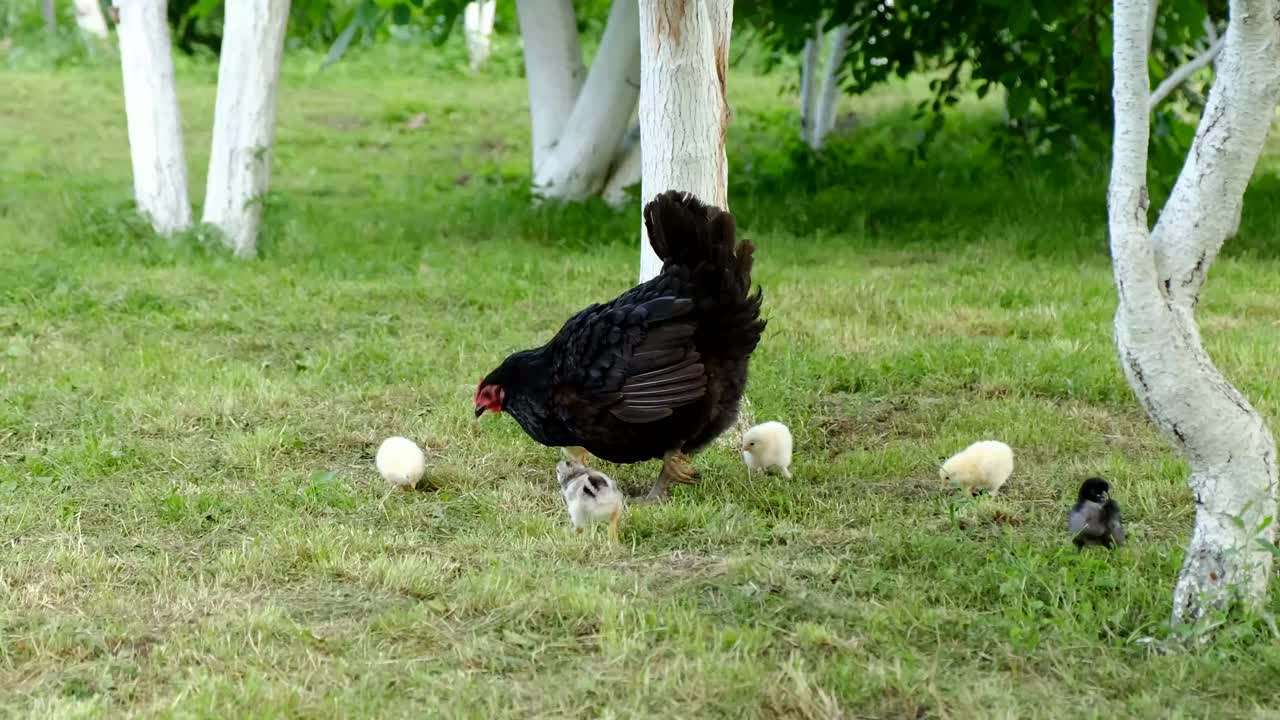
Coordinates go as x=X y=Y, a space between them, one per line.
x=675 y=468
x=577 y=454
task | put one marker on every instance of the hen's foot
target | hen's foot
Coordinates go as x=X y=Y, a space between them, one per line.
x=675 y=469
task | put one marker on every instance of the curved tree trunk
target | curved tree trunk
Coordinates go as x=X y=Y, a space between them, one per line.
x=626 y=169
x=244 y=119
x=553 y=69
x=151 y=112
x=1159 y=276
x=578 y=164
x=684 y=112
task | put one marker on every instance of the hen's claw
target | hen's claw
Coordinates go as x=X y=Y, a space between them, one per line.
x=675 y=468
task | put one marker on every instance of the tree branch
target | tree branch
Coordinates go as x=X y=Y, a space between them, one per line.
x=1204 y=208
x=1184 y=72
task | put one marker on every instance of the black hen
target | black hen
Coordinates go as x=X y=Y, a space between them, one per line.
x=659 y=371
x=1095 y=518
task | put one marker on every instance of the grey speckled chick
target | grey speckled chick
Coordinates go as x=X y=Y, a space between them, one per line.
x=1095 y=518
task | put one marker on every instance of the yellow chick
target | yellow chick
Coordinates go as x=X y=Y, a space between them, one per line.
x=984 y=465
x=767 y=445
x=401 y=462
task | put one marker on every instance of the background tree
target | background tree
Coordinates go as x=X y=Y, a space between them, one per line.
x=244 y=120
x=151 y=110
x=1159 y=275
x=578 y=119
x=90 y=20
x=478 y=17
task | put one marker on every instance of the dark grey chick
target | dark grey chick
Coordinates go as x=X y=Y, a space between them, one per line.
x=1095 y=518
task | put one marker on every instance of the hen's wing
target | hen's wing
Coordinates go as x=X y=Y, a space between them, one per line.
x=633 y=357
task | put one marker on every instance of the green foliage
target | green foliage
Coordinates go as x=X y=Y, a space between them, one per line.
x=1052 y=60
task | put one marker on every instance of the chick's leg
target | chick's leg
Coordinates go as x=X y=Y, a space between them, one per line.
x=675 y=468
x=613 y=526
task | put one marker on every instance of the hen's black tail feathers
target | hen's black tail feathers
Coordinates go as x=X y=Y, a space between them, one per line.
x=686 y=232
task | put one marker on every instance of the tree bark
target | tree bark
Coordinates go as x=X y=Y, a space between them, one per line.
x=1159 y=276
x=478 y=21
x=684 y=111
x=151 y=112
x=244 y=119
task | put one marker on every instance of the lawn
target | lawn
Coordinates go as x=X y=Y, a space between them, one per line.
x=191 y=525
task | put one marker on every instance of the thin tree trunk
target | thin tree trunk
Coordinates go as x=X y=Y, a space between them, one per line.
x=90 y=20
x=684 y=113
x=1159 y=276
x=49 y=10
x=478 y=20
x=831 y=83
x=244 y=119
x=151 y=112
x=809 y=113
x=1184 y=73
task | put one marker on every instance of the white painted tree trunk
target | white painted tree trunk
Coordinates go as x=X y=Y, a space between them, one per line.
x=151 y=112
x=809 y=69
x=90 y=20
x=1159 y=276
x=626 y=170
x=579 y=164
x=478 y=21
x=244 y=119
x=831 y=82
x=818 y=106
x=553 y=69
x=49 y=10
x=684 y=112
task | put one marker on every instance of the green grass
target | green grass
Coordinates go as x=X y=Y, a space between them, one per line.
x=191 y=526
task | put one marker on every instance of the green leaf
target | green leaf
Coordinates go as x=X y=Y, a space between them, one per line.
x=1269 y=546
x=401 y=14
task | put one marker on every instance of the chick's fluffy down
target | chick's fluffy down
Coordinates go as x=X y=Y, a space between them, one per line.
x=590 y=496
x=984 y=465
x=401 y=462
x=768 y=445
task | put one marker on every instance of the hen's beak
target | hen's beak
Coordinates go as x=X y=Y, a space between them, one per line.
x=479 y=410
